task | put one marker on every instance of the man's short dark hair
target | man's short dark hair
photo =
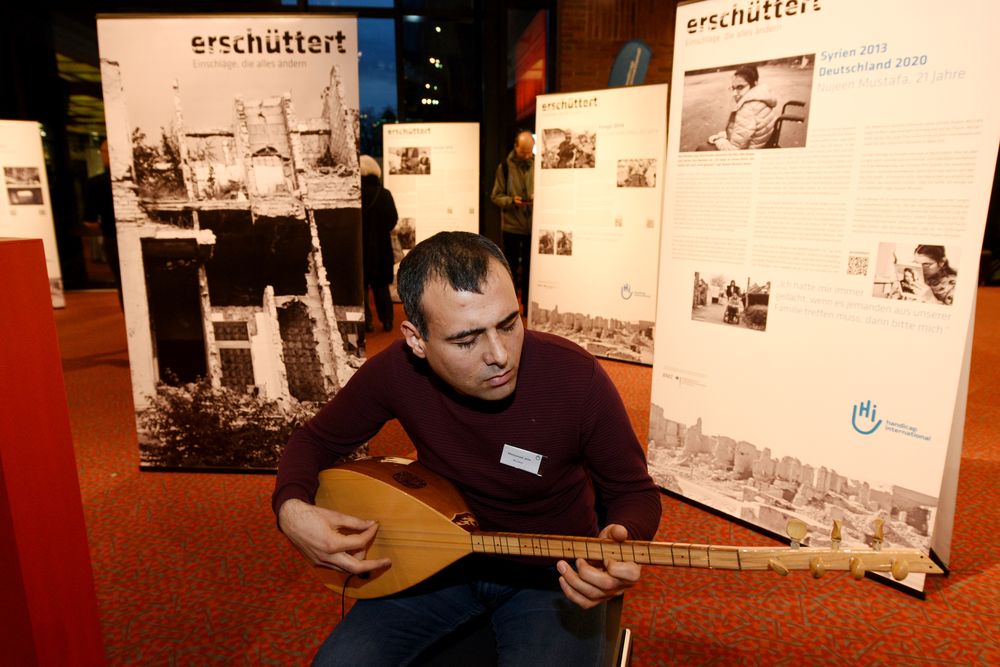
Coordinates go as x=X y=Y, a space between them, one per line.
x=462 y=259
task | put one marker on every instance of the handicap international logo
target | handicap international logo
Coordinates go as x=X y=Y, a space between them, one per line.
x=626 y=291
x=863 y=418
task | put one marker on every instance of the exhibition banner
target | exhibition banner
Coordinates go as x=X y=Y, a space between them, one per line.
x=432 y=171
x=26 y=211
x=599 y=174
x=829 y=173
x=234 y=169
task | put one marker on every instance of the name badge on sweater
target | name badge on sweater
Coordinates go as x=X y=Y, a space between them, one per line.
x=522 y=459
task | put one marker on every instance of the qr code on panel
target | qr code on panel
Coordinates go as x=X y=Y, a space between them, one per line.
x=857 y=265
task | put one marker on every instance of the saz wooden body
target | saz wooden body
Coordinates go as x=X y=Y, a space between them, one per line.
x=425 y=525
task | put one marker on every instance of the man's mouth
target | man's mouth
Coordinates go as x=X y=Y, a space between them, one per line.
x=502 y=379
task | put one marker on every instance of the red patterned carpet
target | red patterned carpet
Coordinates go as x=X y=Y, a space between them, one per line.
x=191 y=571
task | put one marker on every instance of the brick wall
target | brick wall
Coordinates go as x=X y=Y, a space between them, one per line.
x=591 y=32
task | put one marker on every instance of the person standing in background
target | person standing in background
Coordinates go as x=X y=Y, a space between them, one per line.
x=99 y=212
x=513 y=193
x=378 y=218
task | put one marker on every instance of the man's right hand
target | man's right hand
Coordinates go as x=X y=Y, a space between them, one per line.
x=330 y=539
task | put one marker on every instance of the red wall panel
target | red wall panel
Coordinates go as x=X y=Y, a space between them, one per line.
x=48 y=610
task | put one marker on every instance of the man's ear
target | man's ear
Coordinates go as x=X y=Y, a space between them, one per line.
x=413 y=338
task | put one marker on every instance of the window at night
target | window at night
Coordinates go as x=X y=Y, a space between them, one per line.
x=440 y=79
x=377 y=81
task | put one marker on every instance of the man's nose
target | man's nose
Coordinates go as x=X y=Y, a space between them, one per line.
x=496 y=353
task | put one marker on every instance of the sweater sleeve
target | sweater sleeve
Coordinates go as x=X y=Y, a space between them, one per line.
x=351 y=418
x=499 y=194
x=616 y=461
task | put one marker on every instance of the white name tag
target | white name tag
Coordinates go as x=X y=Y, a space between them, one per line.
x=522 y=459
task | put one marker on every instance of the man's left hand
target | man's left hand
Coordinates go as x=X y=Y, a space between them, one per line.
x=591 y=584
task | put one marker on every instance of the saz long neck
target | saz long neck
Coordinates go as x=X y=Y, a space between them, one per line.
x=899 y=562
x=675 y=554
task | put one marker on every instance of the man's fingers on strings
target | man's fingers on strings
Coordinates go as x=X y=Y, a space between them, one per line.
x=575 y=596
x=604 y=581
x=626 y=573
x=351 y=523
x=345 y=562
x=352 y=540
x=576 y=581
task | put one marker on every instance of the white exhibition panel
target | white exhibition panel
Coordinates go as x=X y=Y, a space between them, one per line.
x=26 y=209
x=832 y=393
x=599 y=175
x=432 y=171
x=234 y=168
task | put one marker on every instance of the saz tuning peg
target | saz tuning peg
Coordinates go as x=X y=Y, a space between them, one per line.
x=878 y=536
x=835 y=535
x=816 y=565
x=900 y=568
x=796 y=529
x=777 y=566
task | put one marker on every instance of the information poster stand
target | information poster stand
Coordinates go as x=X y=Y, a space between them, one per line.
x=26 y=206
x=432 y=170
x=829 y=168
x=234 y=171
x=599 y=173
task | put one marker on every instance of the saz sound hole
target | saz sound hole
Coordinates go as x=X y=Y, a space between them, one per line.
x=409 y=480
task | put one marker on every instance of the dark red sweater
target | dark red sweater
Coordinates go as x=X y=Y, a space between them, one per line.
x=565 y=407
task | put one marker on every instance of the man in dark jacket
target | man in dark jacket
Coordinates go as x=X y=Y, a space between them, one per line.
x=99 y=213
x=513 y=192
x=378 y=218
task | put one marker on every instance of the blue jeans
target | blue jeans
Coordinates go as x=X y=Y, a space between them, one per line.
x=534 y=622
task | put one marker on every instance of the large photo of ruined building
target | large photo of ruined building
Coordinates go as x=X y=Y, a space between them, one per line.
x=240 y=243
x=744 y=480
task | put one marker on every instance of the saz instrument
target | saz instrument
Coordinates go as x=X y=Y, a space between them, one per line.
x=425 y=525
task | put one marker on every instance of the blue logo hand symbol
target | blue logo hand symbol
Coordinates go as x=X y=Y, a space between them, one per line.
x=866 y=411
